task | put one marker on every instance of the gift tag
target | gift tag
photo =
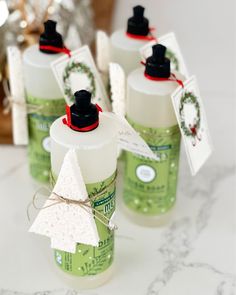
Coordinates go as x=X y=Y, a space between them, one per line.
x=129 y=139
x=67 y=216
x=17 y=97
x=79 y=72
x=192 y=121
x=173 y=52
x=117 y=82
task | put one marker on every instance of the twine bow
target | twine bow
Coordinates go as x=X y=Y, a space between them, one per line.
x=83 y=204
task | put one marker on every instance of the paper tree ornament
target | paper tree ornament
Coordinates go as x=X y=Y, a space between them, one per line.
x=118 y=85
x=103 y=51
x=67 y=223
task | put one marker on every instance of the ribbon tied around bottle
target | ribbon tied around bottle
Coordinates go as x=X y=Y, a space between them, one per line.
x=149 y=37
x=67 y=121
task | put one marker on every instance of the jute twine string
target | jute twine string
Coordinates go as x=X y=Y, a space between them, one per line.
x=9 y=101
x=29 y=108
x=83 y=204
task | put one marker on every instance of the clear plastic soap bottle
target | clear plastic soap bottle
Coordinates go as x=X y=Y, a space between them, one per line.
x=125 y=45
x=94 y=137
x=44 y=97
x=150 y=186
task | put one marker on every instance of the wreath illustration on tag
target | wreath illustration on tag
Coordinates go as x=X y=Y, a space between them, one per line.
x=78 y=67
x=190 y=130
x=174 y=60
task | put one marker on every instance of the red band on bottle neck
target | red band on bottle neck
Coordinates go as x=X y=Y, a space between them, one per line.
x=171 y=78
x=149 y=37
x=67 y=121
x=56 y=49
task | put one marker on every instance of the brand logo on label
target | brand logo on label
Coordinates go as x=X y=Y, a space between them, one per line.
x=58 y=258
x=145 y=173
x=109 y=206
x=47 y=144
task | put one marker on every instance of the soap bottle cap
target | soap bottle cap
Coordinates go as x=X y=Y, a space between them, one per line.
x=157 y=65
x=84 y=114
x=138 y=24
x=50 y=37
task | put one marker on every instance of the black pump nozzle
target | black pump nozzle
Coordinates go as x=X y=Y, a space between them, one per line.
x=83 y=112
x=50 y=28
x=138 y=24
x=50 y=37
x=157 y=65
x=158 y=53
x=82 y=100
x=138 y=12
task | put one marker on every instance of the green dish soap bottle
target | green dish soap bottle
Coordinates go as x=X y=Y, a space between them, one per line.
x=150 y=186
x=125 y=45
x=44 y=98
x=93 y=136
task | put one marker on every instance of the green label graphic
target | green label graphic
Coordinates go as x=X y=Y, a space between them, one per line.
x=89 y=260
x=39 y=122
x=150 y=186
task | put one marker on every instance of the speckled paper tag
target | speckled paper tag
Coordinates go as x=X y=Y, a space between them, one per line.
x=191 y=117
x=130 y=140
x=19 y=109
x=118 y=85
x=67 y=223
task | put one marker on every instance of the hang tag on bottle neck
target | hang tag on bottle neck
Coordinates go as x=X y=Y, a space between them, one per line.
x=129 y=139
x=173 y=52
x=79 y=72
x=192 y=121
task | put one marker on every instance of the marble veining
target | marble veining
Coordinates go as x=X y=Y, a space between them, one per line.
x=51 y=292
x=178 y=240
x=178 y=266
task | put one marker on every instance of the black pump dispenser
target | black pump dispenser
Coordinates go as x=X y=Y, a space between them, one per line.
x=50 y=37
x=138 y=24
x=84 y=114
x=157 y=65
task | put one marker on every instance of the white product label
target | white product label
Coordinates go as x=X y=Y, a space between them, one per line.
x=130 y=140
x=79 y=72
x=17 y=97
x=192 y=121
x=47 y=144
x=145 y=173
x=173 y=52
x=78 y=224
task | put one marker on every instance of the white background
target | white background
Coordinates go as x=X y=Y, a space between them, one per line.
x=205 y=30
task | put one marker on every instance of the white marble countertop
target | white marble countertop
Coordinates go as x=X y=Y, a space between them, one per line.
x=193 y=254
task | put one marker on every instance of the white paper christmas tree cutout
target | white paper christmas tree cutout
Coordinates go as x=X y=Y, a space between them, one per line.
x=118 y=85
x=67 y=224
x=103 y=51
